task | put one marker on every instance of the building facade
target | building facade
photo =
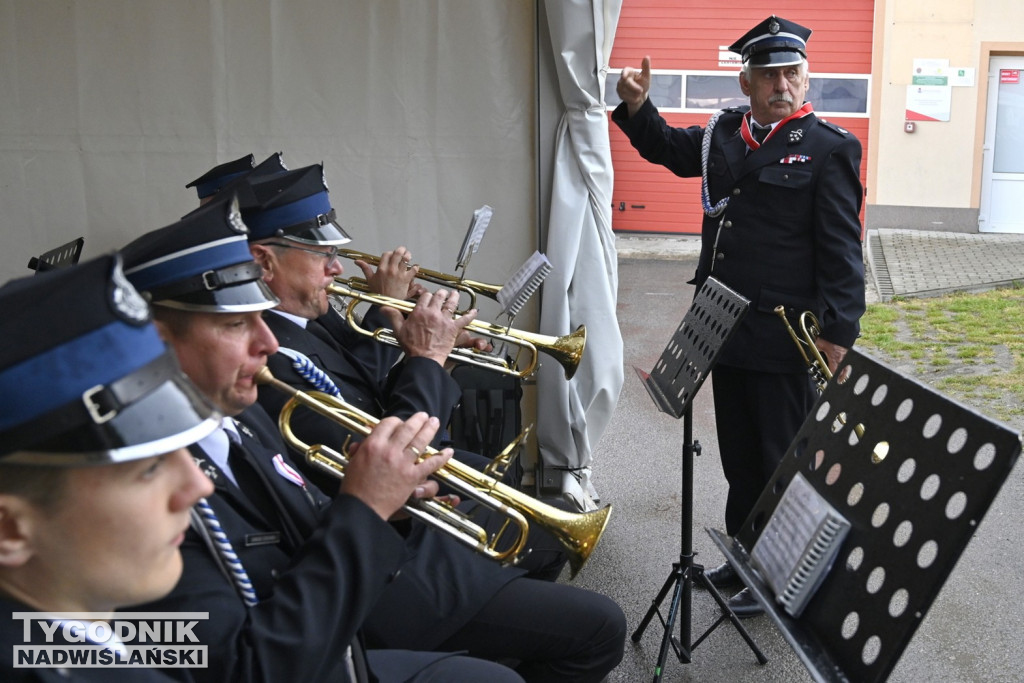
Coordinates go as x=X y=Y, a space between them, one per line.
x=933 y=91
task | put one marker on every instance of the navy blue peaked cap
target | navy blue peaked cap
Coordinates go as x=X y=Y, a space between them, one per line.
x=270 y=166
x=773 y=42
x=84 y=377
x=217 y=177
x=200 y=263
x=294 y=205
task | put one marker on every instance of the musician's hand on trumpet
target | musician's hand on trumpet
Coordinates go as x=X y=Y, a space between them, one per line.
x=385 y=469
x=431 y=329
x=395 y=275
x=832 y=353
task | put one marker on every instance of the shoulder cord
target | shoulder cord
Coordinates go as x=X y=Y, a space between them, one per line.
x=204 y=521
x=310 y=372
x=705 y=151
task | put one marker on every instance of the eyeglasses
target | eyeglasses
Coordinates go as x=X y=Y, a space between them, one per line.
x=331 y=254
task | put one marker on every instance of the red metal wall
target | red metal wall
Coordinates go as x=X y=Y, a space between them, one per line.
x=685 y=34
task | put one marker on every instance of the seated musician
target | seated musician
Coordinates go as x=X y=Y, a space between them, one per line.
x=446 y=597
x=287 y=575
x=96 y=483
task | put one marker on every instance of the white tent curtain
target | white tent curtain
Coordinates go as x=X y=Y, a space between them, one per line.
x=583 y=285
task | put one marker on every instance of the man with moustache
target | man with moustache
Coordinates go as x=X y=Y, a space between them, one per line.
x=781 y=198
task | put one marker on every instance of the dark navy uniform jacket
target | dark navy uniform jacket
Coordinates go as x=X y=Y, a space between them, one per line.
x=444 y=584
x=348 y=556
x=790 y=233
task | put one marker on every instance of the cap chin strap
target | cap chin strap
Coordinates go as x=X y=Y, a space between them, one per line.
x=210 y=280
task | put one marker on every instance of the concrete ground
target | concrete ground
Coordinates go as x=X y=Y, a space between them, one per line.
x=972 y=630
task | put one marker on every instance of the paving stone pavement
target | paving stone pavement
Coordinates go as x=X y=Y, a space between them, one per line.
x=899 y=262
x=930 y=263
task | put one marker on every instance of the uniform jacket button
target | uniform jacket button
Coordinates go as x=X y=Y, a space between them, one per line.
x=727 y=224
x=735 y=191
x=720 y=256
x=394 y=575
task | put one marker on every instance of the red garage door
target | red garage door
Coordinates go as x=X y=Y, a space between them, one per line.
x=687 y=43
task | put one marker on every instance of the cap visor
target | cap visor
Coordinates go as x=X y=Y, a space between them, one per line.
x=241 y=298
x=172 y=416
x=329 y=235
x=776 y=58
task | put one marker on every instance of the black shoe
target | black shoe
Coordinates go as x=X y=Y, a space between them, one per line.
x=723 y=576
x=744 y=604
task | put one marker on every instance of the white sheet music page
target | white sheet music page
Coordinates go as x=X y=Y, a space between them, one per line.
x=798 y=545
x=474 y=235
x=523 y=283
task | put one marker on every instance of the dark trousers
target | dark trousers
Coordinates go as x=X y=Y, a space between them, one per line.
x=403 y=666
x=558 y=633
x=757 y=415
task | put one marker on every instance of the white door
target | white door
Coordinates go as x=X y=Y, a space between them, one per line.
x=1002 y=186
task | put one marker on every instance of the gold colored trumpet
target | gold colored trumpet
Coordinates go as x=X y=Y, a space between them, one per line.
x=567 y=350
x=471 y=288
x=578 y=533
x=817 y=366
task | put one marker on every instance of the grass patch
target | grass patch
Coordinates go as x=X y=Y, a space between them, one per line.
x=969 y=346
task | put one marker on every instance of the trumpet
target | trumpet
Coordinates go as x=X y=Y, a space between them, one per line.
x=817 y=366
x=577 y=532
x=567 y=350
x=471 y=288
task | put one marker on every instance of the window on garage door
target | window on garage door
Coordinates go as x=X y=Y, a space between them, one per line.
x=695 y=91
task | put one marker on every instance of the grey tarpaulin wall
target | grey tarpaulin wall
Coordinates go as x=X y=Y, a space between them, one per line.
x=420 y=111
x=583 y=286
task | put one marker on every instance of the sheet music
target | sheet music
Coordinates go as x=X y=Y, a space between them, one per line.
x=474 y=235
x=523 y=283
x=798 y=545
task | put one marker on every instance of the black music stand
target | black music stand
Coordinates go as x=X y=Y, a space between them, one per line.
x=60 y=257
x=679 y=373
x=914 y=473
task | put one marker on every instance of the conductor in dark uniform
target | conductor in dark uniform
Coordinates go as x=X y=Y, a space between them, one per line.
x=781 y=194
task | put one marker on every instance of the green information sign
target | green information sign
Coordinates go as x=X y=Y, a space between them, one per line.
x=931 y=80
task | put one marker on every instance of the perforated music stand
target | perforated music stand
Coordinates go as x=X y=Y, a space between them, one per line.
x=914 y=488
x=684 y=365
x=61 y=257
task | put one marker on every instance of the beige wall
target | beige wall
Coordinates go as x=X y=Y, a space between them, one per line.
x=939 y=165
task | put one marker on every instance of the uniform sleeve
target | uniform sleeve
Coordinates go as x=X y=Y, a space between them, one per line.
x=840 y=261
x=677 y=149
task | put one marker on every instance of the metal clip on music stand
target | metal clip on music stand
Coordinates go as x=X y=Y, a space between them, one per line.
x=679 y=373
x=914 y=473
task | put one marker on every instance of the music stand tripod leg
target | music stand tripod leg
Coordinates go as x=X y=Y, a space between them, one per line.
x=682 y=576
x=727 y=613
